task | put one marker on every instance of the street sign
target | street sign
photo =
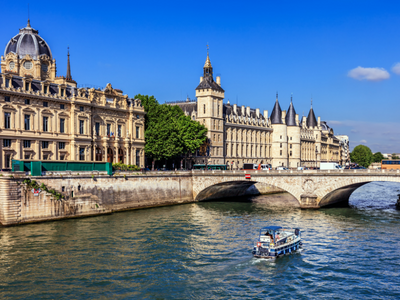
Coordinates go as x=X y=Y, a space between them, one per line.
x=248 y=176
x=36 y=192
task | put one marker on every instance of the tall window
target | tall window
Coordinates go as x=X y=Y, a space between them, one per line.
x=119 y=130
x=290 y=146
x=27 y=86
x=108 y=129
x=45 y=144
x=218 y=110
x=81 y=108
x=45 y=104
x=137 y=132
x=6 y=143
x=7 y=120
x=61 y=145
x=138 y=158
x=204 y=108
x=27 y=122
x=27 y=101
x=81 y=153
x=81 y=126
x=62 y=92
x=7 y=83
x=62 y=106
x=45 y=89
x=45 y=123
x=8 y=161
x=62 y=125
x=97 y=128
x=27 y=144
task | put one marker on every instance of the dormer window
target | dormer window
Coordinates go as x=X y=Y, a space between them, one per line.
x=62 y=92
x=28 y=65
x=45 y=89
x=26 y=86
x=7 y=83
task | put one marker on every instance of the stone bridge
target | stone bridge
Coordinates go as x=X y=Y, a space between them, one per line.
x=312 y=188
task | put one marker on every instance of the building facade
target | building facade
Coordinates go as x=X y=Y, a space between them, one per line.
x=240 y=134
x=47 y=117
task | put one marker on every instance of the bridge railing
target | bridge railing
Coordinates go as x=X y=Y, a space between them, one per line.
x=300 y=172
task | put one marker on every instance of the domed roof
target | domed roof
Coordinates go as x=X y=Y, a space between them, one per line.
x=28 y=41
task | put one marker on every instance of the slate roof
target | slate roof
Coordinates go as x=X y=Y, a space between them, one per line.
x=276 y=115
x=209 y=83
x=291 y=116
x=311 y=120
x=28 y=41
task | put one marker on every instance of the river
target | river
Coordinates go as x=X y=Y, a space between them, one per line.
x=203 y=251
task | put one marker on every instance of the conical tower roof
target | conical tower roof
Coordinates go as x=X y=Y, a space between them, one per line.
x=311 y=120
x=276 y=115
x=291 y=115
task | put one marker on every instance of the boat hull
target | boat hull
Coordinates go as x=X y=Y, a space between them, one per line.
x=274 y=253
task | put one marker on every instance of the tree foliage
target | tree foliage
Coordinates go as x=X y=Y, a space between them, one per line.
x=361 y=155
x=377 y=157
x=168 y=132
x=394 y=156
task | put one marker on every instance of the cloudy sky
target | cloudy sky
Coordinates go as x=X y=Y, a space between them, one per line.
x=343 y=54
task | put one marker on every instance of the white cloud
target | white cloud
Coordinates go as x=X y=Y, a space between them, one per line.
x=396 y=69
x=363 y=141
x=370 y=74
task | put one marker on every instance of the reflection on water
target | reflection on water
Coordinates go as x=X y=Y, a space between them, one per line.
x=203 y=250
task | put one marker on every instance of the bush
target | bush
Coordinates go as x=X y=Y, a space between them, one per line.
x=123 y=167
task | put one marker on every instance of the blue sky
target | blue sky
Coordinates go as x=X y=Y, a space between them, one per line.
x=343 y=54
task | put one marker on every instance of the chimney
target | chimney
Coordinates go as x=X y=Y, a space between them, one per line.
x=257 y=112
x=218 y=78
x=266 y=114
x=243 y=111
x=248 y=111
x=304 y=120
x=201 y=79
x=235 y=109
x=284 y=116
x=319 y=121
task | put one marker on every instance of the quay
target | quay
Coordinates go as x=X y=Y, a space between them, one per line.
x=66 y=194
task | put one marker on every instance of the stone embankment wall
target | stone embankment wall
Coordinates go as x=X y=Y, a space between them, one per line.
x=85 y=195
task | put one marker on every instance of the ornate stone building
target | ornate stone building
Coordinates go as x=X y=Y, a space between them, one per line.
x=239 y=134
x=45 y=117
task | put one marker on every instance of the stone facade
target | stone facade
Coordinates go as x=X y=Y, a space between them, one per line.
x=239 y=134
x=45 y=117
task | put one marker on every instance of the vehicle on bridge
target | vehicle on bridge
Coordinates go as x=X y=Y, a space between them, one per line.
x=329 y=166
x=209 y=167
x=263 y=167
x=390 y=164
x=276 y=241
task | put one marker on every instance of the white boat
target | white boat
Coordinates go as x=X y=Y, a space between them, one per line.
x=276 y=241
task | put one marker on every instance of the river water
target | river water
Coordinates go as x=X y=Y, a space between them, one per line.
x=203 y=251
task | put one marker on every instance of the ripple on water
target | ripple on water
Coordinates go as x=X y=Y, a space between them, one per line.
x=203 y=251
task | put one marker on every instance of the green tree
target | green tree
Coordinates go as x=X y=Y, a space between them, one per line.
x=394 y=156
x=377 y=157
x=362 y=155
x=168 y=132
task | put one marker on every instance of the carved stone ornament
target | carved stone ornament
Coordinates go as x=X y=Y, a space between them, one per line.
x=309 y=186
